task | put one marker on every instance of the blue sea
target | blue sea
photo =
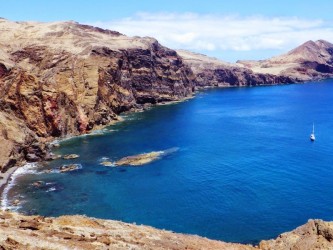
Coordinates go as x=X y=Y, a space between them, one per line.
x=239 y=166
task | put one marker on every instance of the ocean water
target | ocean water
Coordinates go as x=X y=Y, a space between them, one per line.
x=240 y=166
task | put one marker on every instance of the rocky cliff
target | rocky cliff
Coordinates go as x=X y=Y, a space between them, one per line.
x=65 y=78
x=211 y=72
x=79 y=232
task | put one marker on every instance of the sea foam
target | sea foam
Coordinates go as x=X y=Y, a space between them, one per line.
x=29 y=168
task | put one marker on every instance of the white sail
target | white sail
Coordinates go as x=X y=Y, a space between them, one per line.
x=312 y=136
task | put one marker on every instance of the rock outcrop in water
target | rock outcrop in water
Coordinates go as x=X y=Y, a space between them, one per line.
x=140 y=159
x=79 y=232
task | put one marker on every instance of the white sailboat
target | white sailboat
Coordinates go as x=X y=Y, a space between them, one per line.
x=312 y=136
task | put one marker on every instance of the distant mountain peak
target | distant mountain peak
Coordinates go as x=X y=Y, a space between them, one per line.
x=318 y=51
x=311 y=60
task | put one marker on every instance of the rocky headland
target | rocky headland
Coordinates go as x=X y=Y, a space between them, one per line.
x=63 y=78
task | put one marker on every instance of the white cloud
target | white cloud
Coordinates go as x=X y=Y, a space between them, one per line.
x=223 y=33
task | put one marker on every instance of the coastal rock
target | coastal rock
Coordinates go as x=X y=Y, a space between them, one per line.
x=68 y=168
x=70 y=156
x=107 y=163
x=51 y=157
x=32 y=157
x=16 y=139
x=38 y=184
x=138 y=160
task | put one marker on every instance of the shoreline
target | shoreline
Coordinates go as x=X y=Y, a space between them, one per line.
x=55 y=140
x=5 y=178
x=8 y=176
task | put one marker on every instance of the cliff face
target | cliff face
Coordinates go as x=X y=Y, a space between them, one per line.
x=79 y=232
x=64 y=78
x=213 y=72
x=309 y=61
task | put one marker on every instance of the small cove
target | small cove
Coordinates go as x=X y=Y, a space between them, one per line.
x=244 y=169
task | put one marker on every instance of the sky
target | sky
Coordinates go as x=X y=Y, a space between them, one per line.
x=229 y=30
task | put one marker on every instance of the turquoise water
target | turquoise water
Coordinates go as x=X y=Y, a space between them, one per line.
x=244 y=169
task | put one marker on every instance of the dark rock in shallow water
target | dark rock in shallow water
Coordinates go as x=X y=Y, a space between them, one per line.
x=68 y=168
x=51 y=157
x=38 y=184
